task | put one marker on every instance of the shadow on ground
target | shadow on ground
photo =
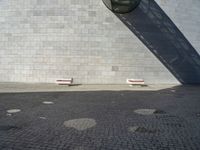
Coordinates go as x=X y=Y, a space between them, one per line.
x=155 y=29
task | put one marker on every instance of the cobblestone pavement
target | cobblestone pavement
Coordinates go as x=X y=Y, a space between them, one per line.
x=167 y=119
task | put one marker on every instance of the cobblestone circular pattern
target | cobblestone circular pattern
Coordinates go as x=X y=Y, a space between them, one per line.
x=145 y=111
x=43 y=118
x=133 y=129
x=80 y=124
x=141 y=130
x=79 y=148
x=12 y=111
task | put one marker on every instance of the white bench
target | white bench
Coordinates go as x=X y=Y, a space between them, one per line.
x=135 y=81
x=64 y=81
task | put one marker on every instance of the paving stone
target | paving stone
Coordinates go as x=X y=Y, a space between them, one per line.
x=133 y=129
x=80 y=124
x=12 y=111
x=48 y=102
x=44 y=118
x=145 y=111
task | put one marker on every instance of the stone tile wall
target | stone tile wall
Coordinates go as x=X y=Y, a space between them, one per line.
x=45 y=40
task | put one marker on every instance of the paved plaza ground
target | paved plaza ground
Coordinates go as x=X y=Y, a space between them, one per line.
x=145 y=118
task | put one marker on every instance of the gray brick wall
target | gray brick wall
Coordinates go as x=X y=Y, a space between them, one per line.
x=45 y=40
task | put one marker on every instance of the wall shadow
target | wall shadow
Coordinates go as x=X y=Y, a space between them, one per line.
x=161 y=36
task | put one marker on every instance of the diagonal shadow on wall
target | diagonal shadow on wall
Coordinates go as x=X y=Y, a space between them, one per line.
x=161 y=36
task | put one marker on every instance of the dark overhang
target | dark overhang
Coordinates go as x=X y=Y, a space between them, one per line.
x=121 y=6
